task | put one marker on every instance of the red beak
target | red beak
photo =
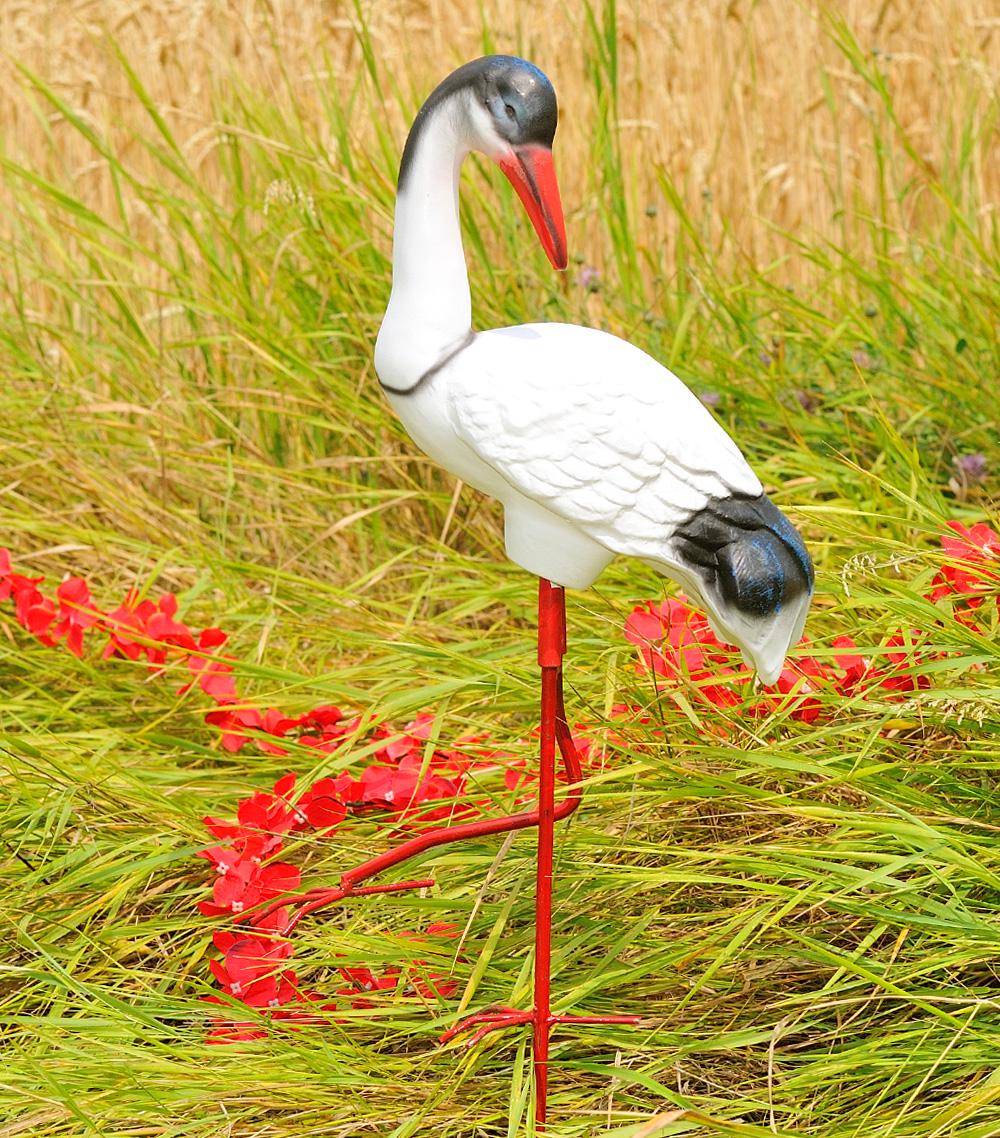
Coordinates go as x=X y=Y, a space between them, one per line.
x=532 y=173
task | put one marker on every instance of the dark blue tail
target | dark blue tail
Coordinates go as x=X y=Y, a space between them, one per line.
x=749 y=551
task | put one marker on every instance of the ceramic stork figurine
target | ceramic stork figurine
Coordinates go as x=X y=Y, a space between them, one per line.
x=593 y=448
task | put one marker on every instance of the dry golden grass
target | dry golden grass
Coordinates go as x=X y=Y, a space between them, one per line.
x=748 y=107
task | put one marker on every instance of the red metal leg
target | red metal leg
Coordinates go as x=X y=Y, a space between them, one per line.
x=551 y=645
x=551 y=641
x=555 y=733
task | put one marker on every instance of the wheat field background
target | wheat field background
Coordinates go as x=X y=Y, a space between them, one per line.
x=749 y=106
x=794 y=206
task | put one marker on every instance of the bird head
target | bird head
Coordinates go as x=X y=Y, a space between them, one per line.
x=505 y=108
x=514 y=116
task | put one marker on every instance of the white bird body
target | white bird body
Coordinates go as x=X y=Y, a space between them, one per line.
x=593 y=447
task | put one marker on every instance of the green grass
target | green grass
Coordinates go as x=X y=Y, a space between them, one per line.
x=806 y=917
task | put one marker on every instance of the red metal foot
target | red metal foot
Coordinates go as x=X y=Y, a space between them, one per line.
x=500 y=1018
x=485 y=1022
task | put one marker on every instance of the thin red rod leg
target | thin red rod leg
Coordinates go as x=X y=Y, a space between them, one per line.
x=443 y=835
x=555 y=732
x=551 y=648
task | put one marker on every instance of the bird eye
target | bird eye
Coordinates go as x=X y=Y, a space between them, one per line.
x=511 y=113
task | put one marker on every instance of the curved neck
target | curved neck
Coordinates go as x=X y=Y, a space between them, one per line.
x=430 y=308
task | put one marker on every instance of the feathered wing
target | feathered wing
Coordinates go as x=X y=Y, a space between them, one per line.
x=596 y=430
x=604 y=437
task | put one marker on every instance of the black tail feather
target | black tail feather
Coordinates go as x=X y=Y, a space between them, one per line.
x=749 y=551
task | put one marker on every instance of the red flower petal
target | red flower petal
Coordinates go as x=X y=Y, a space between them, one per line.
x=211 y=638
x=279 y=877
x=224 y=858
x=38 y=618
x=285 y=785
x=220 y=829
x=324 y=811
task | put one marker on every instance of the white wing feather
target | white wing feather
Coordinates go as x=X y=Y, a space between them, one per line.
x=595 y=430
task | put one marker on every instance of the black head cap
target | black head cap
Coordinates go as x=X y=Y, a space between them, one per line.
x=518 y=97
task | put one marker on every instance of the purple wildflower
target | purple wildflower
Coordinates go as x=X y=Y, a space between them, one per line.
x=588 y=278
x=971 y=468
x=806 y=400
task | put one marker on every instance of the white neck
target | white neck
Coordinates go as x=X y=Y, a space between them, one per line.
x=430 y=308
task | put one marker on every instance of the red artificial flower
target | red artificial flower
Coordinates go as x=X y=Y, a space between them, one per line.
x=223 y=858
x=233 y=1031
x=365 y=980
x=977 y=544
x=349 y=790
x=123 y=623
x=798 y=686
x=403 y=789
x=854 y=668
x=414 y=737
x=274 y=923
x=141 y=628
x=677 y=642
x=271 y=813
x=6 y=571
x=273 y=991
x=247 y=846
x=365 y=724
x=321 y=805
x=235 y=722
x=213 y=676
x=427 y=984
x=443 y=928
x=220 y=829
x=272 y=722
x=376 y=786
x=433 y=985
x=324 y=719
x=32 y=609
x=974 y=569
x=322 y=727
x=262 y=811
x=39 y=615
x=900 y=675
x=164 y=628
x=275 y=814
x=246 y=885
x=675 y=639
x=706 y=683
x=77 y=612
x=251 y=969
x=25 y=592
